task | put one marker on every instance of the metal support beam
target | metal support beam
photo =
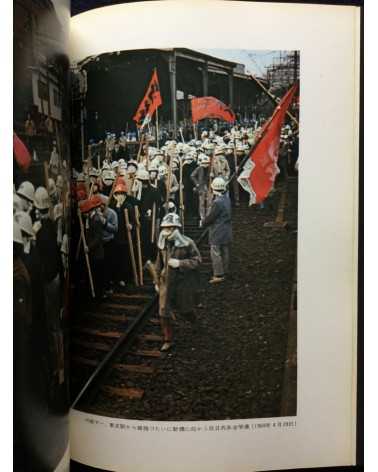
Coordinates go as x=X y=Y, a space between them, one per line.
x=205 y=79
x=231 y=88
x=172 y=79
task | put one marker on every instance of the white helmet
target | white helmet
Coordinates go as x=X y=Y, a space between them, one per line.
x=41 y=199
x=94 y=172
x=25 y=222
x=171 y=219
x=80 y=177
x=220 y=150
x=153 y=168
x=105 y=165
x=26 y=190
x=218 y=184
x=203 y=160
x=142 y=174
x=17 y=236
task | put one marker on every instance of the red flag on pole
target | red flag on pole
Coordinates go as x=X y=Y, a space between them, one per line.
x=151 y=100
x=260 y=170
x=21 y=153
x=210 y=107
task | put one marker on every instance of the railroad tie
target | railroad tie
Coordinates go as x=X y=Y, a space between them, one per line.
x=125 y=392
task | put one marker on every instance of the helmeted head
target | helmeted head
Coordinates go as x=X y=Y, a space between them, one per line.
x=41 y=199
x=142 y=175
x=204 y=160
x=132 y=167
x=26 y=192
x=218 y=186
x=120 y=192
x=169 y=229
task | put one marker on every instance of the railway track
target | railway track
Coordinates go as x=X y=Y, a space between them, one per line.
x=116 y=344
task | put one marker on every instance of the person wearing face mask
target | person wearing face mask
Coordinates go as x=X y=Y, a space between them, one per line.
x=177 y=270
x=123 y=201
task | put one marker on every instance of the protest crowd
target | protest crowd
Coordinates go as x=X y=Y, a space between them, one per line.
x=132 y=210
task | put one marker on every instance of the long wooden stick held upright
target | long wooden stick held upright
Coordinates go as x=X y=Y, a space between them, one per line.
x=139 y=247
x=182 y=207
x=153 y=222
x=86 y=253
x=131 y=247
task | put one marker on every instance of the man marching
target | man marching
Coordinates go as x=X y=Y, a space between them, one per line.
x=220 y=230
x=177 y=278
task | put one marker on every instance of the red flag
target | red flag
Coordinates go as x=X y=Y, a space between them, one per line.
x=210 y=107
x=21 y=153
x=151 y=100
x=260 y=170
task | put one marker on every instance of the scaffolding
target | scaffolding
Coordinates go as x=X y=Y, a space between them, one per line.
x=283 y=72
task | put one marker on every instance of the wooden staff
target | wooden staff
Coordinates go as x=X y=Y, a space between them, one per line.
x=153 y=223
x=169 y=180
x=131 y=247
x=272 y=97
x=209 y=192
x=236 y=185
x=82 y=237
x=182 y=136
x=139 y=247
x=157 y=128
x=112 y=189
x=182 y=208
x=141 y=142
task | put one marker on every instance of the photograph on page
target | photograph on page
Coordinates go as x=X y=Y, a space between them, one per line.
x=185 y=167
x=41 y=228
x=214 y=185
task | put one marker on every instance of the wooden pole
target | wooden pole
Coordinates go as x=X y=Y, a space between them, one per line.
x=157 y=128
x=182 y=207
x=139 y=247
x=153 y=222
x=82 y=234
x=141 y=142
x=131 y=247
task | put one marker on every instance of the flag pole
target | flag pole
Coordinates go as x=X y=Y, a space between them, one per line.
x=273 y=98
x=266 y=125
x=157 y=127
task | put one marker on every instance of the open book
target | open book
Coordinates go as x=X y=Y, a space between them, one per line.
x=185 y=236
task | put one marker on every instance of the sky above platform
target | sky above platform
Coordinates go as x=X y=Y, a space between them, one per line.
x=255 y=61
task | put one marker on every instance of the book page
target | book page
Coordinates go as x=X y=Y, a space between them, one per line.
x=294 y=391
x=41 y=222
